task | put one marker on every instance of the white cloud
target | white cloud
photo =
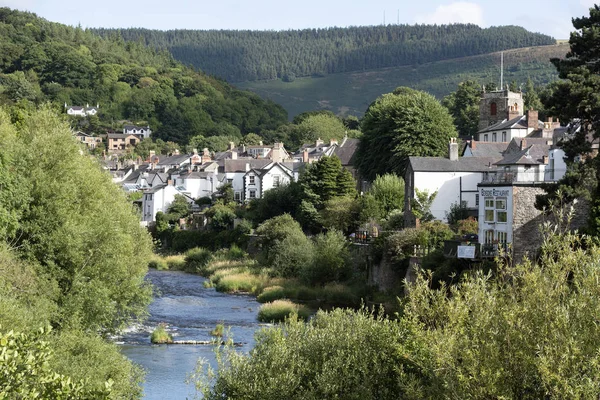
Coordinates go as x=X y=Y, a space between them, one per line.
x=458 y=12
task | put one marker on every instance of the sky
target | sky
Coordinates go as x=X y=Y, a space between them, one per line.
x=552 y=17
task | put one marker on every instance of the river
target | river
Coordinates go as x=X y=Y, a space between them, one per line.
x=191 y=312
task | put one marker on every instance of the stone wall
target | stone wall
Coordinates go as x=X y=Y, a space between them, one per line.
x=527 y=221
x=502 y=99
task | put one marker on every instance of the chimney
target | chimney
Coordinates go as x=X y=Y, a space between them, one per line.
x=512 y=113
x=260 y=143
x=545 y=158
x=205 y=156
x=523 y=144
x=195 y=152
x=473 y=144
x=453 y=150
x=170 y=182
x=243 y=148
x=176 y=152
x=332 y=142
x=532 y=119
x=277 y=152
x=247 y=167
x=318 y=142
x=231 y=145
x=305 y=156
x=234 y=155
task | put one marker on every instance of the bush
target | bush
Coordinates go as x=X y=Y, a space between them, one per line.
x=340 y=296
x=157 y=262
x=290 y=256
x=272 y=293
x=243 y=282
x=280 y=310
x=175 y=262
x=197 y=258
x=160 y=335
x=329 y=262
x=218 y=331
x=394 y=221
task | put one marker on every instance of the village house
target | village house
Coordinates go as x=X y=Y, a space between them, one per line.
x=141 y=131
x=118 y=142
x=453 y=178
x=90 y=141
x=79 y=111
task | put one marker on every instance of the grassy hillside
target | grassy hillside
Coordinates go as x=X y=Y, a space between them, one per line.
x=351 y=93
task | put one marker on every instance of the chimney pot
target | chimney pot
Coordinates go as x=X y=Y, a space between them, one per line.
x=523 y=144
x=453 y=150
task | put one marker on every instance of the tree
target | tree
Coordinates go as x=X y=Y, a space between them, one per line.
x=326 y=179
x=402 y=124
x=576 y=96
x=180 y=207
x=319 y=126
x=388 y=191
x=98 y=263
x=531 y=98
x=464 y=107
x=421 y=205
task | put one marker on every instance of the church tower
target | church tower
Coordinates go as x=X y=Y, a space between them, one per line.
x=499 y=105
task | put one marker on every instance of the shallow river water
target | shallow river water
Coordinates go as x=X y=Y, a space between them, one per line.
x=191 y=312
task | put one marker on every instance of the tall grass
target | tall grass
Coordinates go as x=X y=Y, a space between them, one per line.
x=160 y=335
x=279 y=310
x=242 y=282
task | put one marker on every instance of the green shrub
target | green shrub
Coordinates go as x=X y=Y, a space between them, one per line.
x=340 y=296
x=243 y=282
x=279 y=310
x=330 y=259
x=197 y=258
x=175 y=263
x=157 y=262
x=272 y=293
x=160 y=335
x=305 y=293
x=218 y=331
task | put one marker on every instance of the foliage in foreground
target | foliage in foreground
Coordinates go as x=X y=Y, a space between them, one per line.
x=526 y=332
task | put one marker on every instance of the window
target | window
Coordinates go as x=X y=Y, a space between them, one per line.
x=237 y=196
x=551 y=169
x=501 y=203
x=493 y=109
x=494 y=137
x=489 y=236
x=132 y=142
x=251 y=179
x=149 y=196
x=476 y=199
x=504 y=136
x=252 y=194
x=489 y=202
x=485 y=137
x=230 y=181
x=502 y=237
x=489 y=209
x=489 y=215
x=276 y=180
x=501 y=216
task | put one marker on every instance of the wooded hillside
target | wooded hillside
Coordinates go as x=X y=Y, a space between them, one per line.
x=43 y=61
x=256 y=55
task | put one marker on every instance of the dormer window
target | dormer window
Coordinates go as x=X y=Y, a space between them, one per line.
x=251 y=179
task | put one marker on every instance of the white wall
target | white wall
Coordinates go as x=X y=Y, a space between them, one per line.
x=448 y=186
x=496 y=192
x=557 y=167
x=268 y=178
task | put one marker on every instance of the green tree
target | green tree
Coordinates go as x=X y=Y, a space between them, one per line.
x=180 y=207
x=319 y=126
x=341 y=213
x=98 y=262
x=326 y=179
x=421 y=205
x=388 y=191
x=464 y=107
x=402 y=124
x=531 y=98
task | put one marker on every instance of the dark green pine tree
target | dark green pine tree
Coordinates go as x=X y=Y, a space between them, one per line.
x=531 y=98
x=464 y=107
x=576 y=96
x=326 y=179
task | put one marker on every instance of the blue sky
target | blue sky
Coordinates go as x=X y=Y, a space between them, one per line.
x=552 y=17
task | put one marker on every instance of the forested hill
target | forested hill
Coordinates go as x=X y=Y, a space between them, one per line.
x=256 y=55
x=42 y=61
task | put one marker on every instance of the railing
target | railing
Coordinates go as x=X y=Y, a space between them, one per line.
x=501 y=177
x=510 y=177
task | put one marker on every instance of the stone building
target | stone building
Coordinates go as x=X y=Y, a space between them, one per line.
x=494 y=107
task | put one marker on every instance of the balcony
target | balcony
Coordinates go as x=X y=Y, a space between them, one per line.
x=510 y=177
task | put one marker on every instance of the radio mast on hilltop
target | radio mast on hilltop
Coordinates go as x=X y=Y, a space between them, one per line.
x=501 y=70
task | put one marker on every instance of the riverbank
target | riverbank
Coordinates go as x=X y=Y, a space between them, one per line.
x=233 y=271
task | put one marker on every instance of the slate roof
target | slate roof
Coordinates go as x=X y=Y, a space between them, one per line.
x=118 y=135
x=175 y=160
x=155 y=189
x=519 y=122
x=240 y=165
x=130 y=127
x=345 y=152
x=487 y=149
x=516 y=144
x=443 y=164
x=532 y=155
